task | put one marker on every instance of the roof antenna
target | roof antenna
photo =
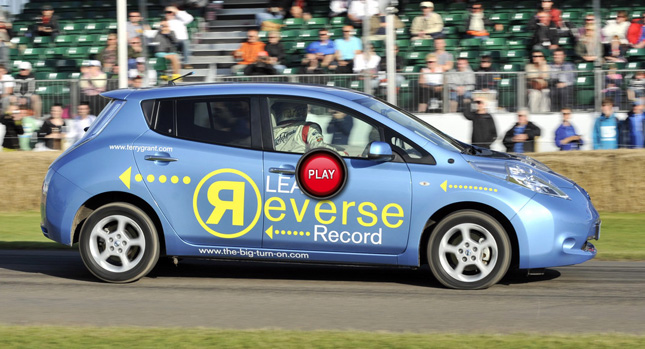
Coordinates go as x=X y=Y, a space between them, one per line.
x=172 y=82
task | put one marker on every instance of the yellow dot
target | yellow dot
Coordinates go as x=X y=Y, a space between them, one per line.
x=283 y=232
x=308 y=233
x=151 y=178
x=461 y=186
x=470 y=187
x=480 y=188
x=288 y=232
x=138 y=177
x=162 y=179
x=302 y=233
x=186 y=180
x=485 y=189
x=496 y=190
x=174 y=179
x=450 y=186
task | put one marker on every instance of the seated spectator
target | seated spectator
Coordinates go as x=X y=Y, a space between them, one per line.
x=632 y=129
x=347 y=48
x=262 y=66
x=616 y=27
x=613 y=85
x=177 y=21
x=166 y=47
x=248 y=51
x=296 y=11
x=368 y=63
x=430 y=84
x=400 y=79
x=477 y=22
x=605 y=129
x=276 y=52
x=12 y=121
x=29 y=138
x=636 y=32
x=135 y=28
x=135 y=51
x=109 y=55
x=587 y=47
x=636 y=89
x=47 y=23
x=81 y=122
x=5 y=42
x=6 y=87
x=338 y=8
x=445 y=59
x=521 y=137
x=360 y=10
x=93 y=82
x=148 y=76
x=378 y=24
x=272 y=12
x=562 y=80
x=24 y=92
x=462 y=83
x=485 y=81
x=52 y=131
x=590 y=24
x=135 y=81
x=566 y=137
x=538 y=83
x=615 y=52
x=545 y=34
x=324 y=50
x=427 y=26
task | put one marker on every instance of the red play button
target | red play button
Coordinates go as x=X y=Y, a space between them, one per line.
x=321 y=173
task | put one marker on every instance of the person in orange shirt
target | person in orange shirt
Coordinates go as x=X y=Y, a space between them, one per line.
x=248 y=51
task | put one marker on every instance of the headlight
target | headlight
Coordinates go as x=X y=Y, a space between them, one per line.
x=532 y=162
x=527 y=177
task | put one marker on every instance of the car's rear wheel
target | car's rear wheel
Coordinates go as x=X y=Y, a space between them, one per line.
x=119 y=243
x=469 y=250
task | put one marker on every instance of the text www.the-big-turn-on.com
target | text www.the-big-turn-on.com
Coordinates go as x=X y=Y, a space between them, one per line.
x=252 y=253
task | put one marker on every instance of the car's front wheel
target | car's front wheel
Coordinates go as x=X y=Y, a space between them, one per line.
x=119 y=243
x=469 y=250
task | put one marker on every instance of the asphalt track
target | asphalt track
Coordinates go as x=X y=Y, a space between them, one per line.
x=54 y=288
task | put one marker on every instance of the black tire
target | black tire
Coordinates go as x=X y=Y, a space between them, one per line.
x=469 y=250
x=119 y=243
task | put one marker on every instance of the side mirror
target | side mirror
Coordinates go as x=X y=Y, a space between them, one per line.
x=380 y=151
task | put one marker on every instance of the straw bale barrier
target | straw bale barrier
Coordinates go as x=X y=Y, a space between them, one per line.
x=614 y=179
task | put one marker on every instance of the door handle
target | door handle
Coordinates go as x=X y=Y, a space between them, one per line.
x=285 y=169
x=159 y=158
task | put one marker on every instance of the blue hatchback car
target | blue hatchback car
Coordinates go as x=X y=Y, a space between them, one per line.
x=209 y=171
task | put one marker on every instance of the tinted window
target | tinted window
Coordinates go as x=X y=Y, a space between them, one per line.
x=165 y=123
x=215 y=120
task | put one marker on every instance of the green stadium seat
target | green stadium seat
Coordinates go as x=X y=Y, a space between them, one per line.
x=289 y=35
x=65 y=40
x=357 y=85
x=85 y=40
x=293 y=23
x=72 y=28
x=522 y=16
x=585 y=90
x=51 y=76
x=42 y=41
x=308 y=35
x=494 y=44
x=501 y=18
x=416 y=57
x=470 y=44
x=516 y=44
x=402 y=33
x=20 y=40
x=454 y=19
x=470 y=55
x=513 y=55
x=412 y=69
x=636 y=53
x=76 y=52
x=94 y=28
x=158 y=64
x=30 y=54
x=316 y=23
x=290 y=71
x=635 y=65
x=450 y=32
x=585 y=66
x=507 y=93
x=21 y=29
x=510 y=68
x=337 y=22
x=451 y=44
x=422 y=45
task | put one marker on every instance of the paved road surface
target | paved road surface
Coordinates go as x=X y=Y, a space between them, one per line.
x=53 y=287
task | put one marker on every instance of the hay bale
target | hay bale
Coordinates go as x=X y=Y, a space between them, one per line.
x=23 y=174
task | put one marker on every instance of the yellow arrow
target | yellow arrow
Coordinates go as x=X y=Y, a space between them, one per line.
x=444 y=185
x=125 y=177
x=269 y=232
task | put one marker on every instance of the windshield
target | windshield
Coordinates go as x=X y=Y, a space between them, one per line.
x=412 y=123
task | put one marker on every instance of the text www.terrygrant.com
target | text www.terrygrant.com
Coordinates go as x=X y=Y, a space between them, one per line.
x=140 y=148
x=252 y=253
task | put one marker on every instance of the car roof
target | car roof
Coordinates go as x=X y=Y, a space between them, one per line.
x=191 y=90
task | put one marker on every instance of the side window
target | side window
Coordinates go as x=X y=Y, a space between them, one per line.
x=301 y=125
x=165 y=122
x=225 y=121
x=409 y=151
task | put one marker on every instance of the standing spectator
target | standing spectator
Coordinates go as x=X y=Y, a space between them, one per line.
x=47 y=24
x=566 y=137
x=338 y=8
x=521 y=137
x=272 y=12
x=564 y=29
x=484 y=131
x=445 y=59
x=25 y=89
x=81 y=121
x=166 y=47
x=52 y=132
x=6 y=87
x=368 y=63
x=323 y=50
x=462 y=83
x=613 y=85
x=93 y=82
x=545 y=34
x=5 y=41
x=262 y=66
x=587 y=48
x=484 y=80
x=134 y=27
x=427 y=26
x=605 y=129
x=477 y=22
x=148 y=76
x=12 y=121
x=108 y=56
x=616 y=27
x=248 y=51
x=636 y=88
x=430 y=84
x=177 y=21
x=361 y=10
x=538 y=80
x=346 y=49
x=636 y=34
x=562 y=79
x=632 y=129
x=340 y=127
x=276 y=52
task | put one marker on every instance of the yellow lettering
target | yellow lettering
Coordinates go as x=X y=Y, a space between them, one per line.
x=385 y=214
x=301 y=214
x=319 y=210
x=268 y=208
x=362 y=211
x=220 y=206
x=346 y=206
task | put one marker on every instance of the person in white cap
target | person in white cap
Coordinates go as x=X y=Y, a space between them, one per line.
x=427 y=26
x=148 y=76
x=92 y=83
x=25 y=89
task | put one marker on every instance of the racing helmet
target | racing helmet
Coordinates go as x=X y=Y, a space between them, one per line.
x=289 y=111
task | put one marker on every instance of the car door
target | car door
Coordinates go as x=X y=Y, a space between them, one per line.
x=371 y=213
x=203 y=168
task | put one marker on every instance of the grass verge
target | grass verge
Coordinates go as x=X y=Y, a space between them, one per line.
x=89 y=337
x=621 y=237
